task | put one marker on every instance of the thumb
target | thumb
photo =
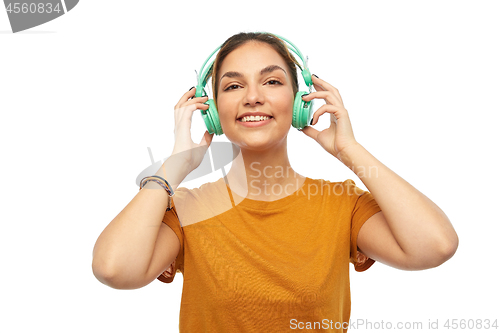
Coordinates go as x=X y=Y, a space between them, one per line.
x=310 y=132
x=207 y=139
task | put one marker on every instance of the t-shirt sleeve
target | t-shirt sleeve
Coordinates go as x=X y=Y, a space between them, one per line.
x=172 y=220
x=364 y=206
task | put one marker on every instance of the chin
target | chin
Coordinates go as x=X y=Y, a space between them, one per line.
x=255 y=139
x=260 y=143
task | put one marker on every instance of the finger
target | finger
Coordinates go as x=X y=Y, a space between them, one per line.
x=192 y=97
x=311 y=132
x=337 y=111
x=202 y=99
x=207 y=139
x=183 y=116
x=318 y=87
x=185 y=97
x=328 y=96
x=317 y=84
x=190 y=108
x=326 y=86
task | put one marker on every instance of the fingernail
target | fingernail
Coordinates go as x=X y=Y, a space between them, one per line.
x=305 y=95
x=315 y=75
x=191 y=88
x=311 y=121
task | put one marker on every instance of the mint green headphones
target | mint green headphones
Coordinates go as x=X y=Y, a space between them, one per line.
x=302 y=111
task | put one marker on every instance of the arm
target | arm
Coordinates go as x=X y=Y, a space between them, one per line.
x=411 y=232
x=124 y=252
x=136 y=246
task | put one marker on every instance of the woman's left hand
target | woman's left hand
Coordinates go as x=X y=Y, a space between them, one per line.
x=339 y=135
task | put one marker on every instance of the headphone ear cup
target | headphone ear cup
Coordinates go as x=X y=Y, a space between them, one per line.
x=302 y=111
x=211 y=118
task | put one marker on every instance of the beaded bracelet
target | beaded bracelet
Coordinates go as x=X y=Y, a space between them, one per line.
x=163 y=183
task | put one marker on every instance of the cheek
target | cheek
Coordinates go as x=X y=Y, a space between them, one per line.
x=224 y=108
x=284 y=104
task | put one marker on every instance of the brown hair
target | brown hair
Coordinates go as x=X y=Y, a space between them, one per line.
x=233 y=42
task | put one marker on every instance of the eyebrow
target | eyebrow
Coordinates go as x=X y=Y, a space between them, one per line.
x=268 y=69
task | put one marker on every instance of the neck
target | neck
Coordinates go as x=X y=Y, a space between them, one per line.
x=263 y=174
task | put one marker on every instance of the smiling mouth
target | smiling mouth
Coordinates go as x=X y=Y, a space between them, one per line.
x=254 y=121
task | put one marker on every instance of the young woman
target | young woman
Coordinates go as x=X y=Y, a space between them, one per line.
x=266 y=249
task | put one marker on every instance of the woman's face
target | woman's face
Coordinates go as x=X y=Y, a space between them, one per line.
x=251 y=81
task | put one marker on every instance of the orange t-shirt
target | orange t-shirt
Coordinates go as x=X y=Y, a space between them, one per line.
x=268 y=266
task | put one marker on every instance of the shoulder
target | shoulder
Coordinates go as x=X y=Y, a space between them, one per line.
x=201 y=203
x=346 y=188
x=205 y=190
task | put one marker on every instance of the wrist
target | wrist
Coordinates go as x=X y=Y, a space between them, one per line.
x=348 y=154
x=173 y=171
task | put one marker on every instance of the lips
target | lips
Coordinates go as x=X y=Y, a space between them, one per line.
x=270 y=117
x=255 y=123
x=254 y=114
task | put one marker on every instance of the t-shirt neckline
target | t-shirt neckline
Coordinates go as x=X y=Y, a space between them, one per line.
x=269 y=205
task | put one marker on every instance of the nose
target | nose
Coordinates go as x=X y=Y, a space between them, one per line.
x=254 y=95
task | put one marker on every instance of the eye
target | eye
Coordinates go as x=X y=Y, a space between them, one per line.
x=230 y=87
x=276 y=82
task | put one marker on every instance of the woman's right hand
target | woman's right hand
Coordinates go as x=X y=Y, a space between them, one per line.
x=184 y=148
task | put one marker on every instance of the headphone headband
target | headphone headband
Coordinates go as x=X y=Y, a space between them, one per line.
x=202 y=77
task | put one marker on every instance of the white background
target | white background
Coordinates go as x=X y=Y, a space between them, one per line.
x=83 y=96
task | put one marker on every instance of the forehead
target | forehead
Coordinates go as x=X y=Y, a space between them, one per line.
x=250 y=57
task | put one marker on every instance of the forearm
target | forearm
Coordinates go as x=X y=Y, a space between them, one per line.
x=126 y=245
x=420 y=227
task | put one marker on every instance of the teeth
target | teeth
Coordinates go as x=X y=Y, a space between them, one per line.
x=256 y=118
